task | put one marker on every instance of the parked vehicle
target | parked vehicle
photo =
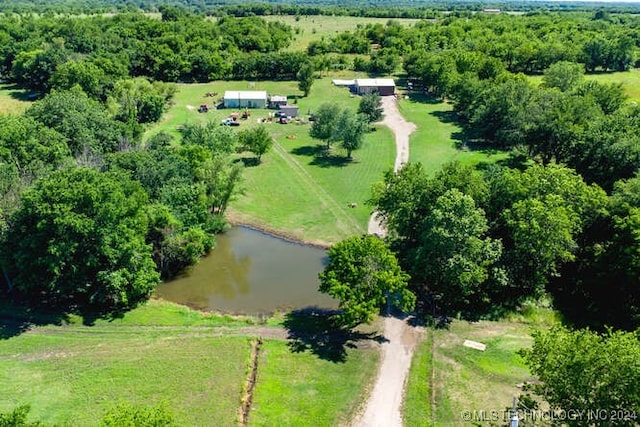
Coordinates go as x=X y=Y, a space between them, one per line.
x=229 y=122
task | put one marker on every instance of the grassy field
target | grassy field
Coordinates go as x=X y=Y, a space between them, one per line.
x=417 y=399
x=195 y=363
x=452 y=378
x=296 y=191
x=439 y=139
x=630 y=81
x=301 y=389
x=13 y=100
x=311 y=28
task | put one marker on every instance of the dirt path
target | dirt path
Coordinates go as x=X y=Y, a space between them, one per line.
x=401 y=129
x=385 y=402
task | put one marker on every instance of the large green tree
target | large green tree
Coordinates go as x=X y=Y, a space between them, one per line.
x=363 y=275
x=350 y=129
x=257 y=140
x=588 y=373
x=305 y=78
x=78 y=241
x=371 y=106
x=454 y=257
x=324 y=123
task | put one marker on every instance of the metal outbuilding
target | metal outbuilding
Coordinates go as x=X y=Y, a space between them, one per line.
x=245 y=99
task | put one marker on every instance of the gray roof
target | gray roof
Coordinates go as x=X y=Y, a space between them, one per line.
x=375 y=83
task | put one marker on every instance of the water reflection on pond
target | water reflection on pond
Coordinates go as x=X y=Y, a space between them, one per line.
x=251 y=272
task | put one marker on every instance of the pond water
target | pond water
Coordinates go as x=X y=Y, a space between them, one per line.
x=250 y=272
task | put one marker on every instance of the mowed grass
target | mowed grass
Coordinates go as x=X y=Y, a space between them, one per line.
x=162 y=353
x=301 y=389
x=14 y=100
x=297 y=190
x=439 y=139
x=72 y=374
x=312 y=28
x=416 y=409
x=466 y=379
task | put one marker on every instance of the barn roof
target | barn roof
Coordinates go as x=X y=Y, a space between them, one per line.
x=375 y=82
x=339 y=82
x=245 y=94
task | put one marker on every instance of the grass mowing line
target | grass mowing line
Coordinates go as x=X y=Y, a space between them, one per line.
x=324 y=197
x=327 y=195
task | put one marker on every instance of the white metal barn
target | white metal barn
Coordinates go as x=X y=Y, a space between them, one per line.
x=245 y=99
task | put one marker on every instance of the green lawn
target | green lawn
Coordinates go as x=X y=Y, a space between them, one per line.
x=302 y=389
x=439 y=139
x=195 y=363
x=295 y=191
x=452 y=378
x=71 y=374
x=13 y=100
x=311 y=28
x=417 y=400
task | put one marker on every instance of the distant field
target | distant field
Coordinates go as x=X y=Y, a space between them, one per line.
x=311 y=28
x=294 y=191
x=196 y=363
x=630 y=81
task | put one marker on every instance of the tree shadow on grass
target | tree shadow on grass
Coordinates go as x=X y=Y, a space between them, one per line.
x=315 y=330
x=17 y=318
x=248 y=162
x=424 y=98
x=16 y=92
x=321 y=156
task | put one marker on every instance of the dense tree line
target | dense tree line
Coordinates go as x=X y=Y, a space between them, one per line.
x=371 y=8
x=43 y=52
x=482 y=241
x=529 y=43
x=90 y=217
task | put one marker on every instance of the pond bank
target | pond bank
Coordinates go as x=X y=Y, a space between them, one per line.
x=236 y=219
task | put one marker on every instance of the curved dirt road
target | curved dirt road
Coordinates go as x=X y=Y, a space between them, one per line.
x=383 y=406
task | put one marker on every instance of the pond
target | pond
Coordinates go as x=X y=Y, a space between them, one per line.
x=251 y=272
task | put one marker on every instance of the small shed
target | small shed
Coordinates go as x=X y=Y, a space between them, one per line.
x=276 y=101
x=289 y=110
x=245 y=99
x=382 y=86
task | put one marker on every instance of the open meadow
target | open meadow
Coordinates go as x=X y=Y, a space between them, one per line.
x=14 y=100
x=630 y=81
x=312 y=28
x=194 y=363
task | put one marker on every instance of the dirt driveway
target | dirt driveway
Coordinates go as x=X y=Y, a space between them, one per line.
x=383 y=408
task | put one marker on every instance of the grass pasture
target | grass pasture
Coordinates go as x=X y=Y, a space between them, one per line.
x=630 y=81
x=464 y=379
x=14 y=100
x=458 y=382
x=296 y=190
x=312 y=28
x=439 y=139
x=195 y=363
x=302 y=389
